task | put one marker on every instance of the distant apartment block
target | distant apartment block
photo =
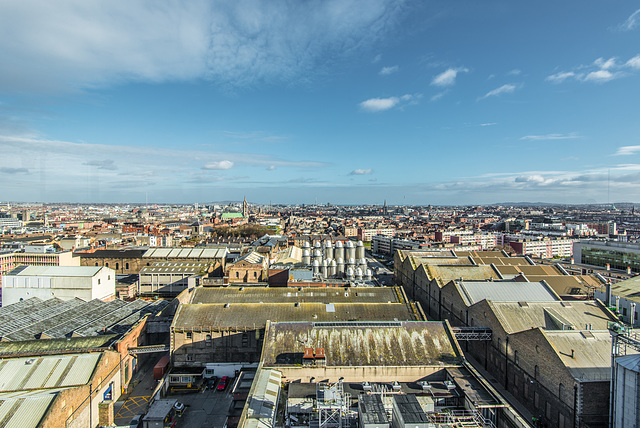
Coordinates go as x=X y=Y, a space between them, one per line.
x=612 y=254
x=387 y=245
x=541 y=247
x=368 y=234
x=45 y=282
x=35 y=256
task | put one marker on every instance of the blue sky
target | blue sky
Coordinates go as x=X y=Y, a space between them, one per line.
x=415 y=102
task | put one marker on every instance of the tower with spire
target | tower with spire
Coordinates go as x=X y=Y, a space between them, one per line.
x=245 y=208
x=385 y=210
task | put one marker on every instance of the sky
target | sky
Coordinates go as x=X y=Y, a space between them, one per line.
x=335 y=101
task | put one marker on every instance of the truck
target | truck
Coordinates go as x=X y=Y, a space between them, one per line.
x=161 y=367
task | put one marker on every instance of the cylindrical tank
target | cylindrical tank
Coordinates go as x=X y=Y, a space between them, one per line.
x=340 y=266
x=333 y=266
x=358 y=274
x=367 y=275
x=317 y=245
x=362 y=262
x=306 y=245
x=328 y=250
x=317 y=255
x=359 y=250
x=351 y=250
x=316 y=267
x=352 y=262
x=339 y=252
x=323 y=269
x=306 y=257
x=350 y=273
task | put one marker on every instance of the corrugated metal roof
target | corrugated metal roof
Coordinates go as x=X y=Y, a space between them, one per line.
x=75 y=271
x=506 y=291
x=262 y=402
x=24 y=412
x=47 y=372
x=413 y=343
x=591 y=358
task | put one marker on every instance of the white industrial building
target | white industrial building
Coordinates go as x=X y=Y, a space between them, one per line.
x=64 y=282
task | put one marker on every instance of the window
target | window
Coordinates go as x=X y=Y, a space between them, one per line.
x=560 y=391
x=255 y=275
x=515 y=358
x=106 y=264
x=536 y=400
x=547 y=410
x=189 y=357
x=96 y=263
x=117 y=266
x=189 y=335
x=245 y=340
x=126 y=266
x=208 y=339
x=237 y=274
x=536 y=372
x=98 y=281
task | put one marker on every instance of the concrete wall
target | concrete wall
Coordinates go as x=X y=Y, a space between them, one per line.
x=359 y=373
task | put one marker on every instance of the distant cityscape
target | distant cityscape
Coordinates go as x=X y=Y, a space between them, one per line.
x=242 y=315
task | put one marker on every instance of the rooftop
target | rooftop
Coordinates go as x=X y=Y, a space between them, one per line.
x=297 y=294
x=186 y=253
x=256 y=315
x=399 y=343
x=56 y=271
x=506 y=291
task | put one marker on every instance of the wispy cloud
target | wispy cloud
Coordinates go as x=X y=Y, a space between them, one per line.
x=560 y=77
x=570 y=136
x=389 y=70
x=632 y=22
x=437 y=96
x=107 y=164
x=488 y=124
x=223 y=164
x=602 y=70
x=627 y=150
x=235 y=43
x=7 y=170
x=514 y=72
x=361 y=172
x=448 y=77
x=504 y=89
x=376 y=59
x=374 y=105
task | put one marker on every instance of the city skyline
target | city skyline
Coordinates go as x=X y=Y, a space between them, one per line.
x=408 y=102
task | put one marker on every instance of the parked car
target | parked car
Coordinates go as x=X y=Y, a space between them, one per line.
x=223 y=383
x=135 y=421
x=211 y=383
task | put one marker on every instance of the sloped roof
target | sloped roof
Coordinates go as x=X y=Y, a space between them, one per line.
x=358 y=344
x=516 y=317
x=447 y=273
x=506 y=291
x=591 y=352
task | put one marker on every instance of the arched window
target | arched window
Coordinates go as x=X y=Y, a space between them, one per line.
x=106 y=264
x=237 y=274
x=117 y=266
x=515 y=358
x=96 y=263
x=126 y=266
x=255 y=274
x=536 y=373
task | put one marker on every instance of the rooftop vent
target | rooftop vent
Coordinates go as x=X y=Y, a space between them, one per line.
x=426 y=386
x=30 y=361
x=226 y=305
x=450 y=385
x=366 y=386
x=396 y=386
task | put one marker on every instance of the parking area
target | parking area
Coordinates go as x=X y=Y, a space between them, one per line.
x=206 y=409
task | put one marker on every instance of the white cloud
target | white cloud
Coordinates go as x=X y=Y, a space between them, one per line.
x=389 y=70
x=627 y=150
x=488 y=124
x=605 y=64
x=560 y=77
x=634 y=62
x=88 y=44
x=437 y=96
x=379 y=104
x=223 y=164
x=632 y=22
x=374 y=105
x=569 y=136
x=448 y=77
x=376 y=59
x=361 y=172
x=504 y=89
x=514 y=72
x=600 y=76
x=271 y=168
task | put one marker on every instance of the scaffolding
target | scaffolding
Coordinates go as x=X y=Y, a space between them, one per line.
x=333 y=405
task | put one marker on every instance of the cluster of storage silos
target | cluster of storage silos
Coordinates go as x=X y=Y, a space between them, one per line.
x=339 y=261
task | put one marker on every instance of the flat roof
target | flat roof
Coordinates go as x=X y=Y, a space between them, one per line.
x=297 y=294
x=256 y=315
x=56 y=271
x=186 y=253
x=506 y=291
